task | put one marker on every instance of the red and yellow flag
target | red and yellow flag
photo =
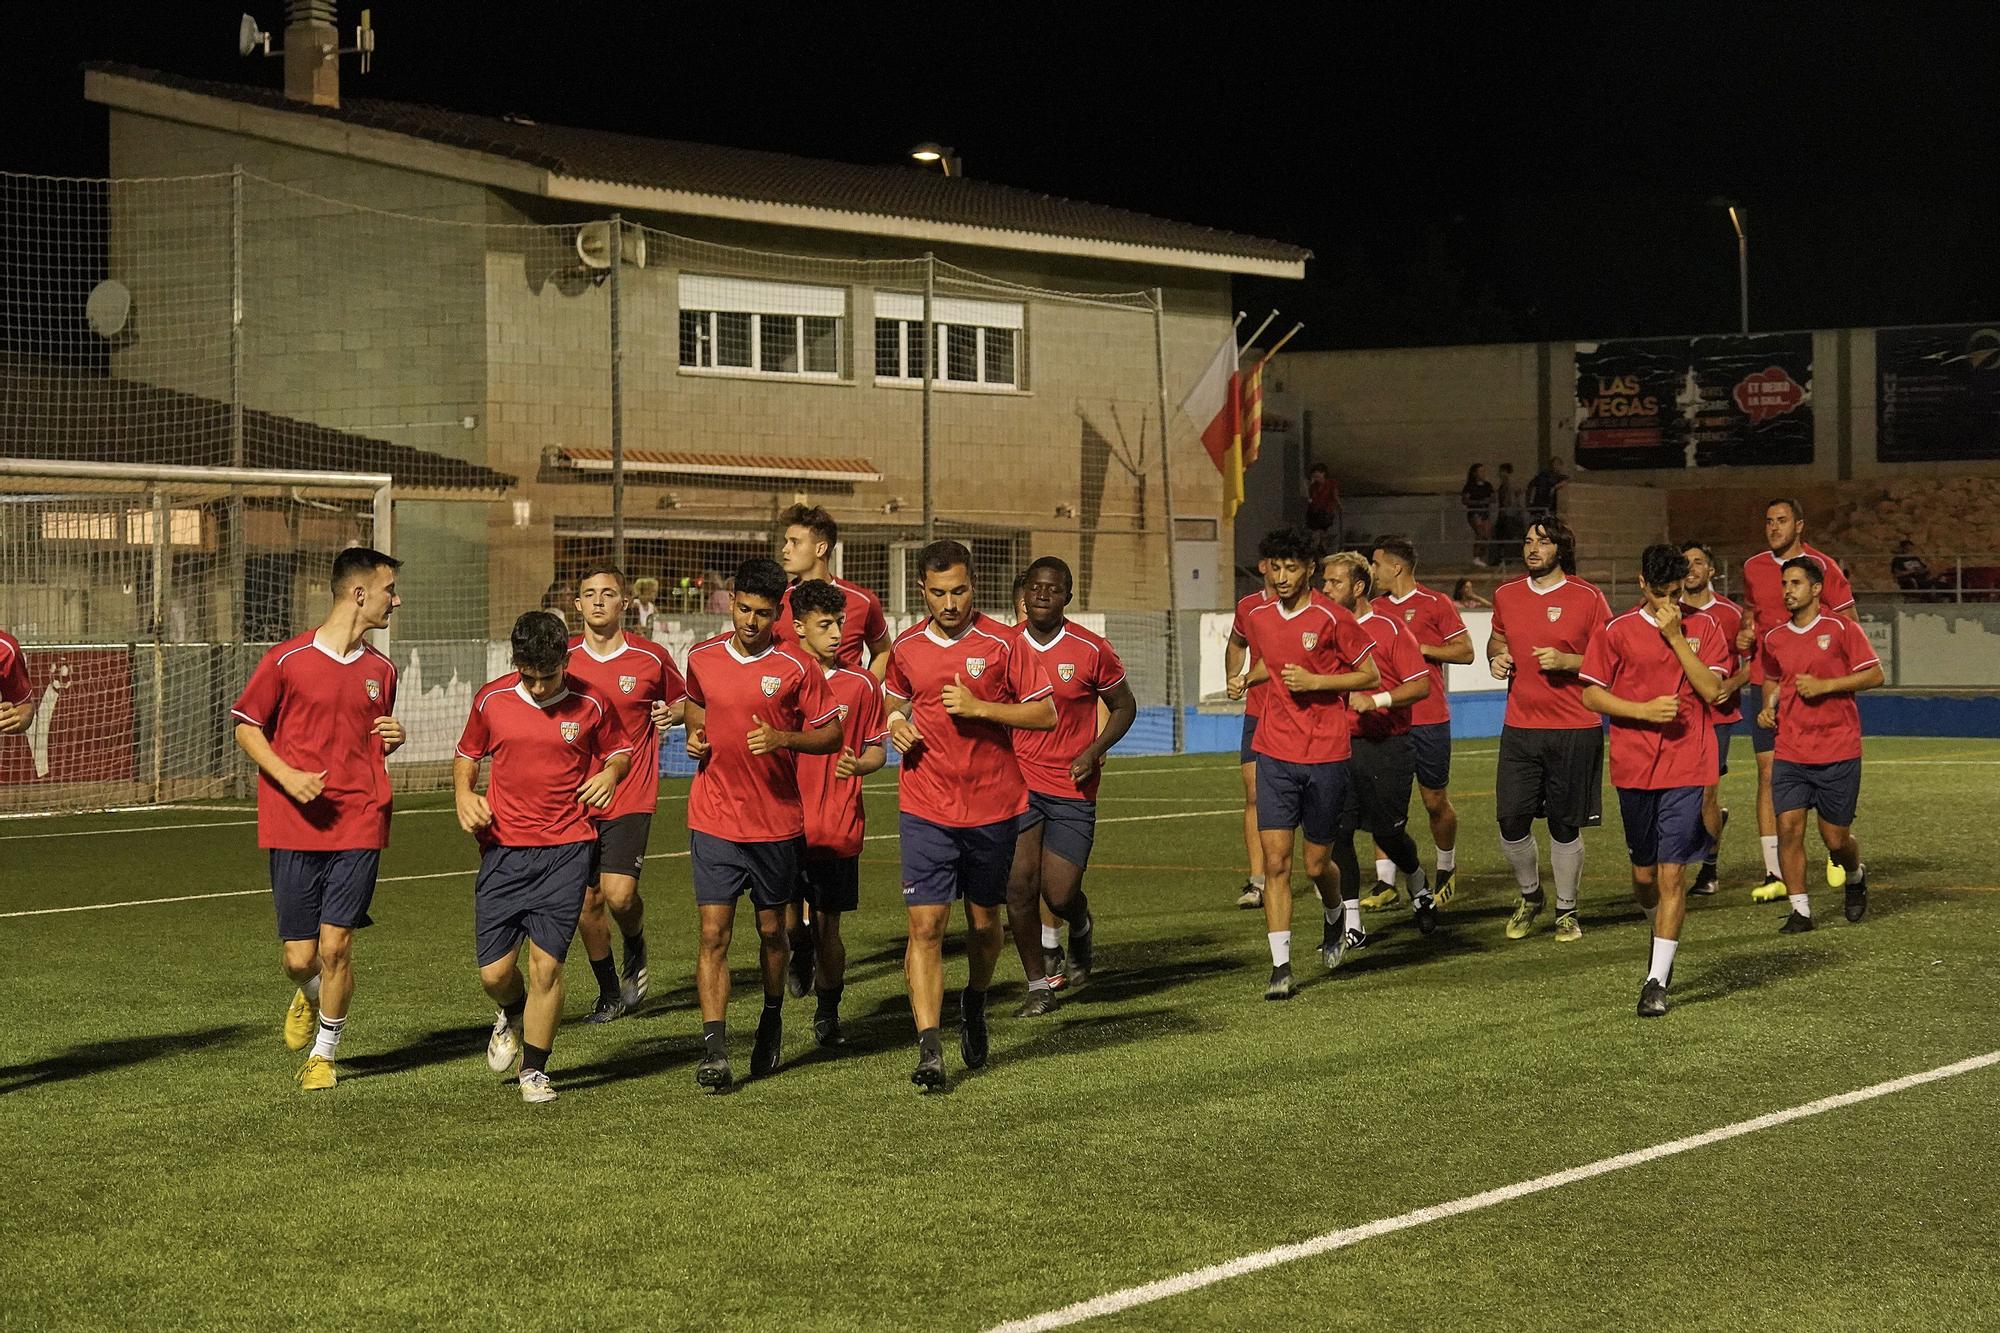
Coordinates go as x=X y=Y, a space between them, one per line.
x=1253 y=412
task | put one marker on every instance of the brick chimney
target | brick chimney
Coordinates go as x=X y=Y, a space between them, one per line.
x=312 y=47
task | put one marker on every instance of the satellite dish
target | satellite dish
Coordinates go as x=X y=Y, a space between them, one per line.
x=249 y=37
x=109 y=306
x=593 y=245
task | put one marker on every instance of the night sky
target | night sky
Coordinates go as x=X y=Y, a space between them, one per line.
x=1457 y=182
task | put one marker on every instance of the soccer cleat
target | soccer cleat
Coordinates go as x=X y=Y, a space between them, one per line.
x=609 y=1009
x=1568 y=929
x=1354 y=939
x=712 y=1074
x=535 y=1086
x=826 y=1031
x=1772 y=889
x=1705 y=883
x=1652 y=999
x=1523 y=920
x=1445 y=888
x=1857 y=897
x=972 y=1036
x=503 y=1048
x=1329 y=944
x=770 y=1043
x=1383 y=897
x=1040 y=1001
x=632 y=985
x=799 y=972
x=316 y=1073
x=1424 y=911
x=301 y=1021
x=1280 y=985
x=1836 y=874
x=1081 y=952
x=929 y=1073
x=1251 y=896
x=1055 y=964
x=1798 y=923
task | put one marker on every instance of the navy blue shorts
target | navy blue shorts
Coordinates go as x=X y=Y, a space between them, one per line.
x=1068 y=825
x=1833 y=790
x=1663 y=825
x=621 y=844
x=314 y=889
x=535 y=892
x=1308 y=797
x=829 y=884
x=942 y=864
x=723 y=870
x=1724 y=733
x=1432 y=742
x=1762 y=739
x=1244 y=754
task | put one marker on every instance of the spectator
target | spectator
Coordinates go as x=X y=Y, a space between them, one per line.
x=645 y=605
x=1477 y=497
x=557 y=600
x=718 y=593
x=1510 y=518
x=1467 y=598
x=1910 y=570
x=1322 y=500
x=1545 y=490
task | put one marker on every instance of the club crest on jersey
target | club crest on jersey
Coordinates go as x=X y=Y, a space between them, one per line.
x=1309 y=640
x=975 y=667
x=1067 y=671
x=769 y=684
x=374 y=690
x=627 y=684
x=1694 y=644
x=841 y=712
x=1410 y=616
x=570 y=731
x=1555 y=614
x=1824 y=640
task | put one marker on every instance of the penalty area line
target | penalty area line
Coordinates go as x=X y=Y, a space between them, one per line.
x=1194 y=1280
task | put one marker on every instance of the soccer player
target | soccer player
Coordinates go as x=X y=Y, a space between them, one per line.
x=1061 y=769
x=1316 y=653
x=752 y=709
x=830 y=788
x=1551 y=760
x=1698 y=594
x=1440 y=633
x=1383 y=765
x=810 y=536
x=1656 y=673
x=639 y=680
x=1763 y=588
x=1813 y=666
x=1234 y=665
x=17 y=695
x=558 y=754
x=959 y=685
x=317 y=718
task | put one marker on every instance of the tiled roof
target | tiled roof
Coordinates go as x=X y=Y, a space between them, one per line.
x=785 y=466
x=749 y=174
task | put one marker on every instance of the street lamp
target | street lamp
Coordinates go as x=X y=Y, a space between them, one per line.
x=1739 y=218
x=947 y=158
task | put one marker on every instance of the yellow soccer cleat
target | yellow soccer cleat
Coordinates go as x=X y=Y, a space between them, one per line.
x=1568 y=928
x=301 y=1021
x=1384 y=897
x=1836 y=877
x=1523 y=920
x=316 y=1073
x=1769 y=891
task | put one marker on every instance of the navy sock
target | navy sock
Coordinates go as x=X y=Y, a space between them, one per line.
x=829 y=1001
x=715 y=1038
x=534 y=1057
x=606 y=974
x=515 y=1009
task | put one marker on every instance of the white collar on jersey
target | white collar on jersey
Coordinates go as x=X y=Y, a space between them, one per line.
x=348 y=660
x=624 y=646
x=1561 y=578
x=1702 y=606
x=1647 y=616
x=543 y=704
x=1806 y=628
x=1404 y=598
x=729 y=646
x=971 y=626
x=1305 y=605
x=1028 y=637
x=1365 y=616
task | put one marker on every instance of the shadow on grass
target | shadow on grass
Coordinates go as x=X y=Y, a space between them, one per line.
x=102 y=1057
x=1096 y=1032
x=653 y=1055
x=433 y=1048
x=1749 y=969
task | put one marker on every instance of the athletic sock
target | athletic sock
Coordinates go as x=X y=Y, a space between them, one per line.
x=1420 y=885
x=311 y=988
x=635 y=944
x=1801 y=903
x=1526 y=862
x=1083 y=905
x=1649 y=920
x=1256 y=881
x=715 y=1038
x=1281 y=947
x=972 y=1003
x=829 y=1001
x=514 y=1009
x=606 y=973
x=1447 y=859
x=1566 y=858
x=1385 y=870
x=1038 y=983
x=328 y=1040
x=928 y=1043
x=1770 y=854
x=1860 y=872
x=774 y=1004
x=1353 y=906
x=1051 y=937
x=1332 y=911
x=533 y=1057
x=1663 y=960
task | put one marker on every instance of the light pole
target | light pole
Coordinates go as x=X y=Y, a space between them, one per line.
x=945 y=157
x=1739 y=218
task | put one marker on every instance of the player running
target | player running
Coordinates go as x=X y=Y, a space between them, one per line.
x=810 y=536
x=1384 y=764
x=1656 y=673
x=1698 y=594
x=1316 y=653
x=17 y=693
x=830 y=789
x=1061 y=769
x=317 y=718
x=1440 y=633
x=1234 y=665
x=558 y=754
x=959 y=684
x=1763 y=588
x=1813 y=666
x=638 y=679
x=752 y=709
x=1551 y=759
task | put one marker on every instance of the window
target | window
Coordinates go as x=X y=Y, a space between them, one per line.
x=763 y=328
x=979 y=342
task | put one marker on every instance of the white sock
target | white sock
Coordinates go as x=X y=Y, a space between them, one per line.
x=311 y=988
x=1420 y=887
x=1567 y=860
x=1860 y=871
x=1330 y=909
x=1663 y=959
x=1801 y=903
x=1281 y=947
x=328 y=1040
x=1256 y=881
x=1353 y=906
x=1447 y=859
x=1385 y=870
x=1525 y=860
x=1051 y=936
x=1770 y=854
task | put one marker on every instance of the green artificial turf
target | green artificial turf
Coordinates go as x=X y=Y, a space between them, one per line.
x=164 y=1170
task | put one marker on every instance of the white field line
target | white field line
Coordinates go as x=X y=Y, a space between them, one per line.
x=473 y=870
x=1194 y=1280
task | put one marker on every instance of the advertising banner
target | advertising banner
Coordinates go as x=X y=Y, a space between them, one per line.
x=82 y=730
x=1741 y=401
x=1937 y=393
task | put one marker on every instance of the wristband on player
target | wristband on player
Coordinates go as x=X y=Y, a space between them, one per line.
x=1382 y=699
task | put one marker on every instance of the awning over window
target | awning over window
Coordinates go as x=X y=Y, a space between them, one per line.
x=779 y=467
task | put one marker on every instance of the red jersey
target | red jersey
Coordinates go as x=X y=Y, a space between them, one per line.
x=1562 y=617
x=1434 y=620
x=1730 y=616
x=964 y=775
x=1629 y=658
x=1326 y=640
x=834 y=823
x=1253 y=696
x=542 y=752
x=1764 y=590
x=1825 y=730
x=638 y=673
x=1081 y=667
x=14 y=686
x=737 y=795
x=318 y=711
x=1398 y=658
x=861 y=625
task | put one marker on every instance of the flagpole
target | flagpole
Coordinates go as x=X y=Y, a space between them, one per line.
x=1251 y=341
x=1281 y=342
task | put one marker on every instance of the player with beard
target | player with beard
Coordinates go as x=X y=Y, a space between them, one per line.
x=1233 y=665
x=1698 y=594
